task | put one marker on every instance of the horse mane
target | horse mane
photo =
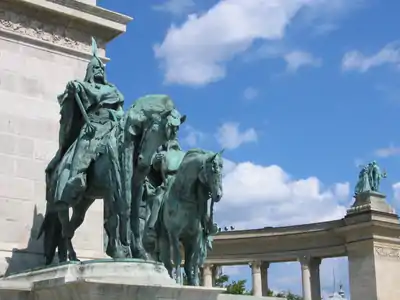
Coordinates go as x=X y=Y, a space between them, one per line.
x=195 y=151
x=152 y=104
x=190 y=157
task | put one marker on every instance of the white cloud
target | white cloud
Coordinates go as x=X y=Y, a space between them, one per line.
x=388 y=151
x=250 y=93
x=396 y=191
x=324 y=15
x=257 y=196
x=357 y=61
x=197 y=51
x=191 y=136
x=294 y=59
x=176 y=7
x=297 y=59
x=229 y=135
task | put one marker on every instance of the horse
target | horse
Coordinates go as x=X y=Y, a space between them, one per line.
x=150 y=122
x=183 y=215
x=103 y=183
x=142 y=130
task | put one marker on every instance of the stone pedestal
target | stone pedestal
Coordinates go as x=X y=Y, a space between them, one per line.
x=373 y=248
x=43 y=45
x=370 y=201
x=101 y=280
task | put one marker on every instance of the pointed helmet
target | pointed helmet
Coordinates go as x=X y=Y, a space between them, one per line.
x=95 y=64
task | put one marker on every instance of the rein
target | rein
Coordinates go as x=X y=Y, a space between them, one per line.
x=204 y=175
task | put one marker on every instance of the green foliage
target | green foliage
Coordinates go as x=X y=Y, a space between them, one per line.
x=221 y=280
x=234 y=287
x=239 y=288
x=270 y=293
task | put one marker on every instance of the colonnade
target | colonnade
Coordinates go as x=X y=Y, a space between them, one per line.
x=311 y=285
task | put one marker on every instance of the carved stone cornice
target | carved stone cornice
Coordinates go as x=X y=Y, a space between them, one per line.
x=95 y=10
x=387 y=252
x=46 y=32
x=60 y=25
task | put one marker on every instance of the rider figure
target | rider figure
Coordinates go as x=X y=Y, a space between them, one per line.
x=166 y=163
x=90 y=111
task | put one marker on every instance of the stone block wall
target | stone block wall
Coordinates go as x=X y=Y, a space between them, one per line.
x=39 y=53
x=30 y=80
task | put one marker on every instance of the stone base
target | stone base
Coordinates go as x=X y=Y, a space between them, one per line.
x=368 y=201
x=369 y=206
x=101 y=280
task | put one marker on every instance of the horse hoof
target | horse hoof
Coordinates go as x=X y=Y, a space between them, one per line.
x=73 y=258
x=144 y=255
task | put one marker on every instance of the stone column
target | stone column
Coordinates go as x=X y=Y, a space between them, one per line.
x=215 y=273
x=264 y=278
x=310 y=277
x=305 y=277
x=315 y=278
x=256 y=276
x=207 y=275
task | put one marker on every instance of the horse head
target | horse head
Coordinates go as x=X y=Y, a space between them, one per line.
x=161 y=128
x=213 y=171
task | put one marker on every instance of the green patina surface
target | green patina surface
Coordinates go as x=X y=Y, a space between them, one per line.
x=369 y=178
x=156 y=196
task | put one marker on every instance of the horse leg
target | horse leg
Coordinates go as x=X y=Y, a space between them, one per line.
x=164 y=249
x=196 y=266
x=190 y=261
x=176 y=256
x=78 y=216
x=137 y=224
x=196 y=275
x=66 y=234
x=112 y=221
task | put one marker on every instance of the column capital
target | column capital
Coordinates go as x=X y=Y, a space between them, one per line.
x=316 y=261
x=207 y=268
x=265 y=265
x=255 y=265
x=307 y=261
x=304 y=260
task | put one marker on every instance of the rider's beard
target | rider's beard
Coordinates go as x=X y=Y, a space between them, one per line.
x=99 y=77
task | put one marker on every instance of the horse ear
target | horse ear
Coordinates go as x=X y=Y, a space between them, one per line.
x=222 y=151
x=213 y=156
x=183 y=119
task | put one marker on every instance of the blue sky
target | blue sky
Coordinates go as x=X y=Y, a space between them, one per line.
x=299 y=92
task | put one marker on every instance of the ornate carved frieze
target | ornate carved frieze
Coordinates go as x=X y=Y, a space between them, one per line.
x=387 y=252
x=42 y=30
